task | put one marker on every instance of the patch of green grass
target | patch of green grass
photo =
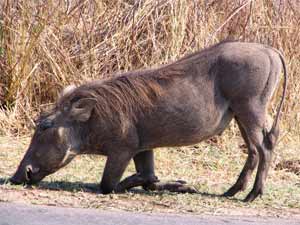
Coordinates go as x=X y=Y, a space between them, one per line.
x=208 y=167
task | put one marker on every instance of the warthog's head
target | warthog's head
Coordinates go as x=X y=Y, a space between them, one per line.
x=56 y=140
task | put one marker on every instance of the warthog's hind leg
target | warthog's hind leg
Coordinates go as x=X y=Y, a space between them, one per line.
x=249 y=166
x=251 y=116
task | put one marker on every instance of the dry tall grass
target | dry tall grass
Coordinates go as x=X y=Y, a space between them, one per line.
x=45 y=45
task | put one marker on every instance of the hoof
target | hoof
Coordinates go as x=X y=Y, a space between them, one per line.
x=252 y=196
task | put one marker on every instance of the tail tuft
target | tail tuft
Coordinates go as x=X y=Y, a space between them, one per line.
x=271 y=137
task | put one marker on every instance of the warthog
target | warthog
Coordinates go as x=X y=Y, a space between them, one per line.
x=182 y=103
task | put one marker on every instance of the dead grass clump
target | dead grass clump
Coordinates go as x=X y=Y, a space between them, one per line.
x=45 y=45
x=292 y=166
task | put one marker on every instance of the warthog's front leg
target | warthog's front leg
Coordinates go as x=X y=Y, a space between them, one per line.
x=137 y=180
x=177 y=186
x=145 y=177
x=113 y=171
x=144 y=165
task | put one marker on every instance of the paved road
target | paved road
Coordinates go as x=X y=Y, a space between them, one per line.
x=16 y=214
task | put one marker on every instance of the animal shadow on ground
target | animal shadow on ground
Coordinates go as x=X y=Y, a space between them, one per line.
x=94 y=188
x=61 y=185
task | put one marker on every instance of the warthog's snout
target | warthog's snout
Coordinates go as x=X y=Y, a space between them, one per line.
x=25 y=174
x=19 y=177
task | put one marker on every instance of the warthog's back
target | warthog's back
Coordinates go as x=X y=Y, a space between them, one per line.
x=196 y=104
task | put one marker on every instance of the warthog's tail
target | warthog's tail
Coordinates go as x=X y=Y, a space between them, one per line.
x=273 y=134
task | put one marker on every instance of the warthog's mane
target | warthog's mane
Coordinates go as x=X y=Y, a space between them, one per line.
x=127 y=95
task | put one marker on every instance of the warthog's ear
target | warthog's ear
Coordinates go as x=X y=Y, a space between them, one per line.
x=81 y=110
x=67 y=90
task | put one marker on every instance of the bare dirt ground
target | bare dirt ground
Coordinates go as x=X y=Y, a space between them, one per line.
x=19 y=214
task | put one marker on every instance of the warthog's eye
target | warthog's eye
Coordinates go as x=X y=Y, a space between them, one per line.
x=75 y=99
x=65 y=108
x=45 y=124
